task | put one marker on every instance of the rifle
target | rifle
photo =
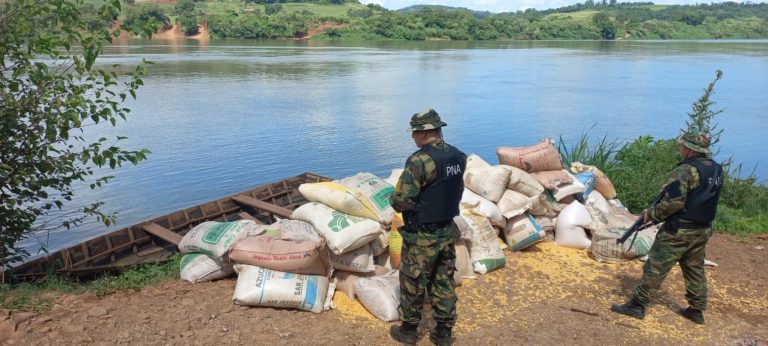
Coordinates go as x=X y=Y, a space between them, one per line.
x=639 y=225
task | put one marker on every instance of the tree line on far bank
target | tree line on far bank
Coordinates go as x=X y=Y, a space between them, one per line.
x=588 y=20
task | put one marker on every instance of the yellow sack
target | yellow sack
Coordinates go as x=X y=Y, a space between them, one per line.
x=338 y=197
x=395 y=241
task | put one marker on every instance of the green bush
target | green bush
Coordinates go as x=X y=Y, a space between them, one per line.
x=188 y=24
x=144 y=17
x=640 y=168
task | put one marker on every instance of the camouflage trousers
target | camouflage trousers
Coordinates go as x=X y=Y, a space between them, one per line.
x=688 y=247
x=428 y=263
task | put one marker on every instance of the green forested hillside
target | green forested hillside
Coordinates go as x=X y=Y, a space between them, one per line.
x=350 y=20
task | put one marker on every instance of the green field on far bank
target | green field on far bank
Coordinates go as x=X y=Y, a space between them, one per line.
x=588 y=20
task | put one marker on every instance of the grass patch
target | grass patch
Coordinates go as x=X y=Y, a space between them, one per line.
x=37 y=297
x=600 y=154
x=740 y=222
x=323 y=10
x=580 y=15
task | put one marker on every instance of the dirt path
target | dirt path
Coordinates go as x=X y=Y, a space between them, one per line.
x=174 y=33
x=322 y=28
x=545 y=295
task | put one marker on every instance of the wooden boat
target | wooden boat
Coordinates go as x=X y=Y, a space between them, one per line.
x=155 y=240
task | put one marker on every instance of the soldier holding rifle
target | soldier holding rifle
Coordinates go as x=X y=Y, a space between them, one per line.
x=687 y=209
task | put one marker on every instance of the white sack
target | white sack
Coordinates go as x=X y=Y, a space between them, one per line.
x=605 y=249
x=394 y=176
x=482 y=206
x=380 y=295
x=522 y=231
x=381 y=243
x=568 y=189
x=264 y=287
x=359 y=260
x=513 y=203
x=569 y=229
x=521 y=181
x=345 y=281
x=197 y=267
x=484 y=249
x=489 y=182
x=216 y=238
x=297 y=230
x=342 y=232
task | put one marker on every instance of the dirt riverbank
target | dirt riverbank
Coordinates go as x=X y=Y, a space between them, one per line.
x=545 y=295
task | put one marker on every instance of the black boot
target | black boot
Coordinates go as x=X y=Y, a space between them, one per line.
x=630 y=308
x=405 y=333
x=441 y=335
x=692 y=314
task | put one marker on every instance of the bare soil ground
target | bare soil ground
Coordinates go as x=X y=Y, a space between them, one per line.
x=545 y=295
x=175 y=33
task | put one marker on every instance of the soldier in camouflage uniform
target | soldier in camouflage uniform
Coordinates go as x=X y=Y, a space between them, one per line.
x=428 y=194
x=687 y=209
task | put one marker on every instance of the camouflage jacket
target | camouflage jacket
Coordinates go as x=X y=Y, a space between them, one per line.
x=420 y=171
x=688 y=177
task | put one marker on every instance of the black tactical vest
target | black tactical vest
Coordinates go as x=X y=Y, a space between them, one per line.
x=439 y=202
x=701 y=203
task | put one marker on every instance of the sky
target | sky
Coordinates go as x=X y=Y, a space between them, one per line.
x=506 y=5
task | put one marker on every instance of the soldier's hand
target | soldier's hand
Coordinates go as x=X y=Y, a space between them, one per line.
x=646 y=216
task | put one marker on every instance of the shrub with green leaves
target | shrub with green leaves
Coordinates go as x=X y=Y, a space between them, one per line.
x=50 y=92
x=144 y=19
x=641 y=168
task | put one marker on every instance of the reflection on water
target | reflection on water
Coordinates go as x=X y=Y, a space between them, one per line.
x=226 y=117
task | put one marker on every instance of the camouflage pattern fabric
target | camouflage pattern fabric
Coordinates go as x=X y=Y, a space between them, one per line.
x=688 y=247
x=428 y=257
x=426 y=120
x=428 y=263
x=696 y=140
x=688 y=177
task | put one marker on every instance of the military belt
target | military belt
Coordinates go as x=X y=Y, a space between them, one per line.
x=693 y=225
x=434 y=226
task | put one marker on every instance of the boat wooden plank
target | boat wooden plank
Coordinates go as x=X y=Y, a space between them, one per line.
x=246 y=216
x=162 y=233
x=138 y=244
x=82 y=262
x=268 y=207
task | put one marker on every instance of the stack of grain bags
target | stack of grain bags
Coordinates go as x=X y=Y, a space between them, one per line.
x=280 y=265
x=579 y=204
x=354 y=217
x=530 y=197
x=346 y=236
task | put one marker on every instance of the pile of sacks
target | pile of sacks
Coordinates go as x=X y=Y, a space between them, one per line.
x=576 y=207
x=346 y=237
x=339 y=239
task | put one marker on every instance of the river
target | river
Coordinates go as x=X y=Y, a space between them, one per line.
x=225 y=116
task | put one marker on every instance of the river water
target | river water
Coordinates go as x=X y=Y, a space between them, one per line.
x=225 y=116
